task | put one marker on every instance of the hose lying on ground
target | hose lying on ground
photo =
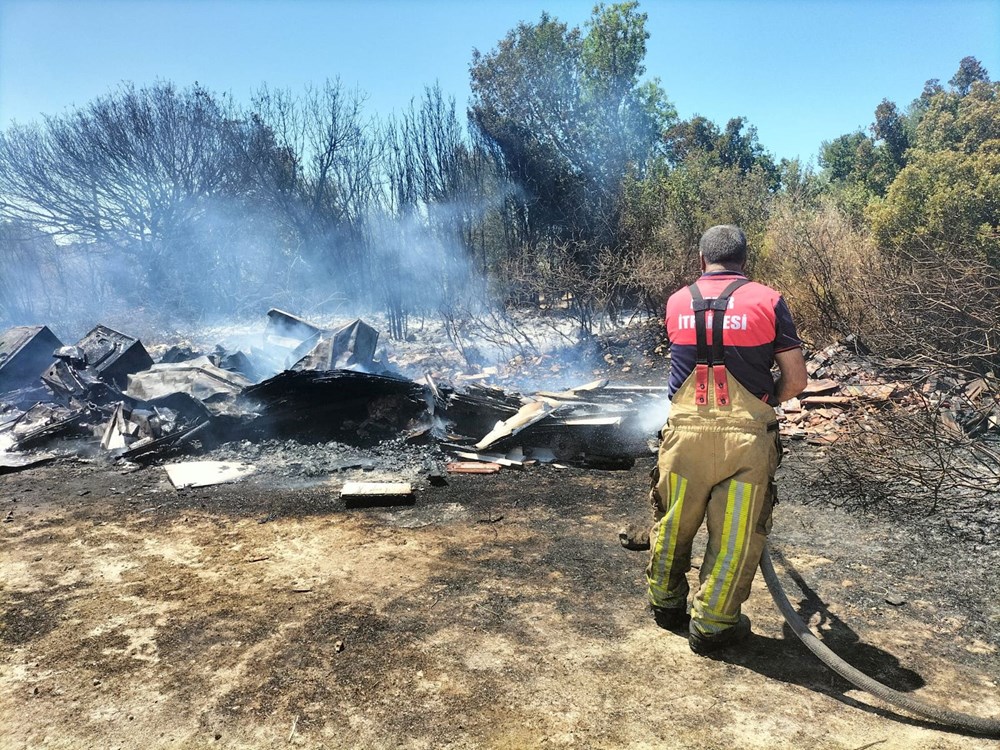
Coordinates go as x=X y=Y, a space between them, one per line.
x=979 y=725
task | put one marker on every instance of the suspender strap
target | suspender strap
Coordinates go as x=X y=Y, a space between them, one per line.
x=699 y=304
x=716 y=357
x=719 y=306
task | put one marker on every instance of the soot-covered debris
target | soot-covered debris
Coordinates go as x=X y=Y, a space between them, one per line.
x=292 y=459
x=595 y=424
x=43 y=422
x=312 y=404
x=847 y=385
x=25 y=352
x=331 y=387
x=200 y=378
x=351 y=347
x=103 y=356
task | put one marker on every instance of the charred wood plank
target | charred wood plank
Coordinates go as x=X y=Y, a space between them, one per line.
x=371 y=494
x=164 y=445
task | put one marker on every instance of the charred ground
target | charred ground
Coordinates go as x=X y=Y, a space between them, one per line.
x=497 y=611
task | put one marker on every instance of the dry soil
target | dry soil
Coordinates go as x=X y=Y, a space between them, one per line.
x=496 y=612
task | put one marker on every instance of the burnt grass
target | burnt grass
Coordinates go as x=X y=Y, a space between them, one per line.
x=333 y=656
x=901 y=548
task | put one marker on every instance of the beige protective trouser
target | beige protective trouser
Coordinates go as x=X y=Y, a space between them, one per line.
x=715 y=461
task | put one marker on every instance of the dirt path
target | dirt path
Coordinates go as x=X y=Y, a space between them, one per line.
x=498 y=612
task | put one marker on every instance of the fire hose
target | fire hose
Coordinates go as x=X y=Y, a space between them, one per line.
x=977 y=724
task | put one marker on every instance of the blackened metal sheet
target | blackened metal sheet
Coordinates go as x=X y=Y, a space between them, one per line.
x=114 y=355
x=25 y=352
x=349 y=348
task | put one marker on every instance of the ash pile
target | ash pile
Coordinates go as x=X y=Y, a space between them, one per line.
x=300 y=388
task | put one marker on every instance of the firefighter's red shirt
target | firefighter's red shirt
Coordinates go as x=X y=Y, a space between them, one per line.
x=757 y=324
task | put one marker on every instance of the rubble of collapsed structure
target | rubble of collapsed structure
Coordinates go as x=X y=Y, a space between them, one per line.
x=303 y=382
x=846 y=385
x=308 y=383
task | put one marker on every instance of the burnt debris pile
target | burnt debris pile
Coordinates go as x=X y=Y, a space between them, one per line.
x=301 y=382
x=851 y=391
x=597 y=425
x=909 y=439
x=339 y=403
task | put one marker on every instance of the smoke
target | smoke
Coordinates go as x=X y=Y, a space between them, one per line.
x=654 y=416
x=68 y=288
x=228 y=265
x=212 y=281
x=303 y=204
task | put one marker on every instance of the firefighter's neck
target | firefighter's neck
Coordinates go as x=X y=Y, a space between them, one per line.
x=707 y=267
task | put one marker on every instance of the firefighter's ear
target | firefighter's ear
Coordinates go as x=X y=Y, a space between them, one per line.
x=701 y=260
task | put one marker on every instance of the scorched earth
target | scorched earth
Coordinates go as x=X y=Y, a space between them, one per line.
x=495 y=612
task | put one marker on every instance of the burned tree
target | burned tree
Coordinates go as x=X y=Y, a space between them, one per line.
x=142 y=172
x=127 y=168
x=320 y=177
x=428 y=253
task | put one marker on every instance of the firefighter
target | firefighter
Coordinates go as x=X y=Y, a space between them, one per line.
x=720 y=446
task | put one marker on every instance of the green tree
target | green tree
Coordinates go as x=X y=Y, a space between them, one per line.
x=696 y=135
x=525 y=100
x=738 y=147
x=626 y=115
x=969 y=71
x=734 y=146
x=669 y=209
x=890 y=133
x=612 y=52
x=839 y=157
x=861 y=167
x=801 y=186
x=569 y=117
x=948 y=194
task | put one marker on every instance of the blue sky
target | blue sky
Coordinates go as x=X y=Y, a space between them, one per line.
x=801 y=72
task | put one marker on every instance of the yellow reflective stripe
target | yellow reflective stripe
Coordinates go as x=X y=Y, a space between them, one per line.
x=711 y=594
x=676 y=506
x=737 y=511
x=669 y=527
x=739 y=547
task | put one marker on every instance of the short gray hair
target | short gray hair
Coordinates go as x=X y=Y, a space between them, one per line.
x=724 y=243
